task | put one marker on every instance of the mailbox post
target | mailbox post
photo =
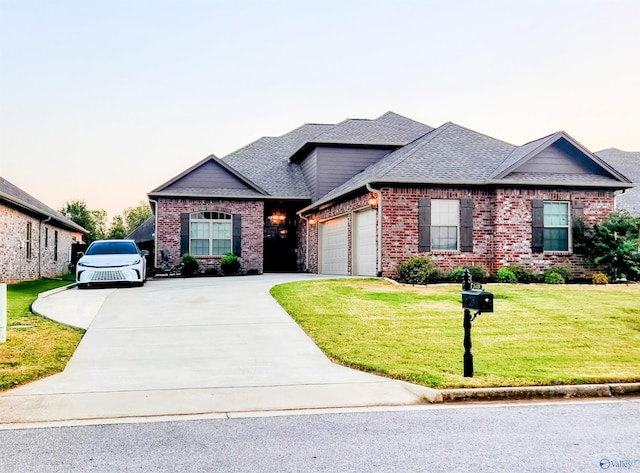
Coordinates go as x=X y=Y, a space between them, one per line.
x=468 y=356
x=480 y=301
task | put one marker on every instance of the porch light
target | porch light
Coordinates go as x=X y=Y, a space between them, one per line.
x=278 y=217
x=312 y=221
x=373 y=202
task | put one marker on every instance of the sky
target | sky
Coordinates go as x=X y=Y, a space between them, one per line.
x=104 y=101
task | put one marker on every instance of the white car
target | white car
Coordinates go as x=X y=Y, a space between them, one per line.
x=112 y=261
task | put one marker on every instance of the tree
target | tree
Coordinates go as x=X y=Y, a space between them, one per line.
x=117 y=229
x=611 y=244
x=136 y=216
x=92 y=220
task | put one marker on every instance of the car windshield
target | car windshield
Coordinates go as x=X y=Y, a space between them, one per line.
x=112 y=248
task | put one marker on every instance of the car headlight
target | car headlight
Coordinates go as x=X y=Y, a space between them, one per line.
x=80 y=263
x=137 y=261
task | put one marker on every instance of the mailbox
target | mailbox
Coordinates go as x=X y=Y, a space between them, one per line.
x=482 y=301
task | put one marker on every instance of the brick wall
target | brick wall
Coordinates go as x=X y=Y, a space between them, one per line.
x=252 y=228
x=14 y=264
x=501 y=227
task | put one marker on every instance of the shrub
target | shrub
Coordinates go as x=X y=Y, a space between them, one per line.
x=253 y=271
x=611 y=244
x=211 y=271
x=563 y=270
x=505 y=275
x=523 y=274
x=189 y=264
x=478 y=273
x=418 y=270
x=553 y=278
x=599 y=278
x=230 y=264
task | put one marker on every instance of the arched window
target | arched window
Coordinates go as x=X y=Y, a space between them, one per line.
x=210 y=233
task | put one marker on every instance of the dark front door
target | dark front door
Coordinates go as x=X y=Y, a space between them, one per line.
x=280 y=248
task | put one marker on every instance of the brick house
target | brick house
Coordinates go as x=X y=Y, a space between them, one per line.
x=35 y=240
x=361 y=196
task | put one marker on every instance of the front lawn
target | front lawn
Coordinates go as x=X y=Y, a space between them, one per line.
x=538 y=334
x=36 y=347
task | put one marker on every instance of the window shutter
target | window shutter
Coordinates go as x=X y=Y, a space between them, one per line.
x=466 y=225
x=577 y=214
x=577 y=210
x=537 y=231
x=424 y=225
x=184 y=233
x=237 y=234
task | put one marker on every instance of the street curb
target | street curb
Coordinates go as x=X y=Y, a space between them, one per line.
x=540 y=392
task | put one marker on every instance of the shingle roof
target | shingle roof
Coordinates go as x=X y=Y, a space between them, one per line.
x=389 y=130
x=266 y=161
x=16 y=196
x=452 y=154
x=628 y=163
x=145 y=232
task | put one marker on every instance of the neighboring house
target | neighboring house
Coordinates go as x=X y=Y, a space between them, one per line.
x=628 y=163
x=363 y=195
x=144 y=236
x=35 y=240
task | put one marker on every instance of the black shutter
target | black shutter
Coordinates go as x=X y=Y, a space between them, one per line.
x=577 y=210
x=466 y=225
x=184 y=234
x=537 y=230
x=424 y=225
x=237 y=234
x=577 y=215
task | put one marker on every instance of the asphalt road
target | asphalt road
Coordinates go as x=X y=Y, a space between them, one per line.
x=565 y=436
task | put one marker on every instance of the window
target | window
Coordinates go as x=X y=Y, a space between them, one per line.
x=28 y=241
x=556 y=226
x=445 y=218
x=210 y=234
x=55 y=245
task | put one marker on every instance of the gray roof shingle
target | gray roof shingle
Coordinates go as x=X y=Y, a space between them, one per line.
x=17 y=196
x=628 y=163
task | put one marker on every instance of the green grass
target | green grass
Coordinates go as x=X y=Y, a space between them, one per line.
x=538 y=334
x=36 y=347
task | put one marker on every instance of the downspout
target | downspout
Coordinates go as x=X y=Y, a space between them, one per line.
x=379 y=194
x=306 y=248
x=155 y=234
x=40 y=245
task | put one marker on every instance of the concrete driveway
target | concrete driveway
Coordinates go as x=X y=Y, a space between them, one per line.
x=191 y=346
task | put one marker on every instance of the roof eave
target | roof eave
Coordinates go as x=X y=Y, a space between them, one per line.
x=71 y=225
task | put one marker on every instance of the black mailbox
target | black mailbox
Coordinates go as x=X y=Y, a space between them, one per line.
x=482 y=301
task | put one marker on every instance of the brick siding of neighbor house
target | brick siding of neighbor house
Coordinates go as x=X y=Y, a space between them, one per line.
x=502 y=227
x=252 y=228
x=14 y=264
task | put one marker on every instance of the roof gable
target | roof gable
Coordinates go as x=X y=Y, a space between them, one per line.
x=557 y=155
x=209 y=177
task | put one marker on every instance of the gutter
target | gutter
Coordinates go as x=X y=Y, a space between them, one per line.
x=379 y=212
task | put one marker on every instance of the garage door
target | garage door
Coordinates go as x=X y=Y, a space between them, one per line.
x=364 y=243
x=334 y=246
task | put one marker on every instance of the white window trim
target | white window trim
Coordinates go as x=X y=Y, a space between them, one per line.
x=567 y=226
x=228 y=220
x=457 y=248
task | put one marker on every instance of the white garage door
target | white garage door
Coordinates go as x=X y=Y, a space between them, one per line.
x=334 y=246
x=364 y=243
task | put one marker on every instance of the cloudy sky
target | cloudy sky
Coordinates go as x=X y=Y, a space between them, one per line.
x=106 y=100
